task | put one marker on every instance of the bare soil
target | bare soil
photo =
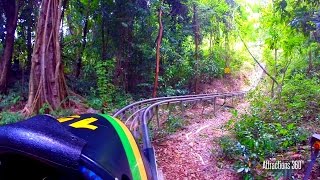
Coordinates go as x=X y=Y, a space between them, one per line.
x=194 y=152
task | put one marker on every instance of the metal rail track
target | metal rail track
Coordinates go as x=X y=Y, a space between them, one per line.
x=138 y=115
x=128 y=112
x=138 y=105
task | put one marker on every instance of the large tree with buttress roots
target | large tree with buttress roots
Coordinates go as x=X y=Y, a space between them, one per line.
x=47 y=84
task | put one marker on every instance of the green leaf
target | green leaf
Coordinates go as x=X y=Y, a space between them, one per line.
x=291 y=126
x=283 y=132
x=85 y=2
x=240 y=170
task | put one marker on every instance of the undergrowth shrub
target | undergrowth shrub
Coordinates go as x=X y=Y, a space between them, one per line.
x=175 y=79
x=173 y=124
x=117 y=100
x=105 y=87
x=267 y=131
x=83 y=86
x=6 y=101
x=62 y=112
x=256 y=140
x=9 y=117
x=211 y=68
x=225 y=143
x=301 y=97
x=107 y=97
x=95 y=102
x=265 y=139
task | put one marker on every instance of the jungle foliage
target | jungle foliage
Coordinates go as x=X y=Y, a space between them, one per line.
x=284 y=110
x=108 y=49
x=105 y=54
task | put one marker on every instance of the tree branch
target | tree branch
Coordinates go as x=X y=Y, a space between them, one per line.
x=264 y=70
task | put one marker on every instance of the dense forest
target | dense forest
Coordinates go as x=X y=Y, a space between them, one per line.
x=70 y=56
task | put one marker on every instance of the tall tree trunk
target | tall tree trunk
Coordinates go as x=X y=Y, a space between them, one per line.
x=128 y=53
x=159 y=39
x=32 y=7
x=11 y=13
x=125 y=23
x=29 y=43
x=196 y=30
x=83 y=45
x=47 y=83
x=64 y=7
x=210 y=45
x=104 y=47
x=280 y=86
x=227 y=50
x=71 y=28
x=310 y=64
x=275 y=71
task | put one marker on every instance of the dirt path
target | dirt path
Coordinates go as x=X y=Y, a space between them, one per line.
x=194 y=152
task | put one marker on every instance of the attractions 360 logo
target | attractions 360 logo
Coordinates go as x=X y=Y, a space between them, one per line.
x=282 y=165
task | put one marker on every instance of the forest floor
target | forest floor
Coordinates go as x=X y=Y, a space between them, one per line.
x=194 y=152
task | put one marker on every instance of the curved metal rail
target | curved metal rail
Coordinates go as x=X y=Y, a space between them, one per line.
x=138 y=115
x=135 y=109
x=121 y=114
x=149 y=111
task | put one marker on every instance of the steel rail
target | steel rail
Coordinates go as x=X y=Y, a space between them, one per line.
x=135 y=110
x=145 y=119
x=143 y=111
x=120 y=113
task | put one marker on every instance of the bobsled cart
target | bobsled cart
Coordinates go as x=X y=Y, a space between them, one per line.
x=88 y=146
